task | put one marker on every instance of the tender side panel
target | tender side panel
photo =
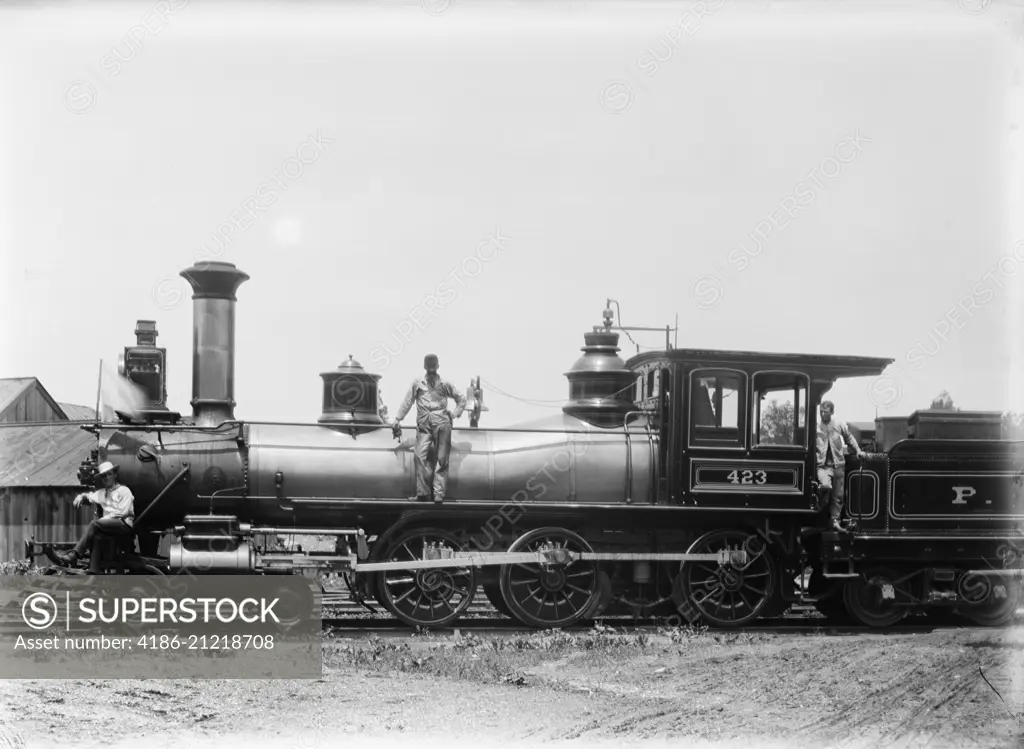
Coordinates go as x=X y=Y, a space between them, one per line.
x=947 y=496
x=955 y=486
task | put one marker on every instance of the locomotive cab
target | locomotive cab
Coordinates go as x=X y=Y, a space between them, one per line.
x=739 y=436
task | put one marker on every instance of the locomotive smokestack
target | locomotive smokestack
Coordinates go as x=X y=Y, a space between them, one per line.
x=213 y=340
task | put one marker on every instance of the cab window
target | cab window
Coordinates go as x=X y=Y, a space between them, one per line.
x=780 y=409
x=716 y=408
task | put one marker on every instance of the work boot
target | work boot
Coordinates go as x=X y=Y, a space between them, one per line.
x=422 y=498
x=438 y=500
x=68 y=558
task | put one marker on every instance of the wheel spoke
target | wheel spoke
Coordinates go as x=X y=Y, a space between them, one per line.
x=585 y=573
x=572 y=606
x=406 y=594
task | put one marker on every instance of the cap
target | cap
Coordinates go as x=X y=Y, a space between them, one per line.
x=430 y=359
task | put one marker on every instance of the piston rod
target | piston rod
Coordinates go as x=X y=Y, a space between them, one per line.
x=1011 y=572
x=309 y=531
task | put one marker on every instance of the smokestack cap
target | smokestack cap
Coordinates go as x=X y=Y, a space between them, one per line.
x=214 y=280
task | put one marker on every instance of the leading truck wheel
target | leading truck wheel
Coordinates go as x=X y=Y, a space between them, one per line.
x=726 y=595
x=551 y=594
x=428 y=597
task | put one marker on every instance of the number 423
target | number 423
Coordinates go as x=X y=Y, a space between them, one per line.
x=748 y=477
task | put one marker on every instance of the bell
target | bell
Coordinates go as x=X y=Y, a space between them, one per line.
x=475 y=402
x=480 y=395
x=475 y=395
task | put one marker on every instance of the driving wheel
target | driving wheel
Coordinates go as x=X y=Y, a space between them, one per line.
x=427 y=597
x=726 y=595
x=550 y=594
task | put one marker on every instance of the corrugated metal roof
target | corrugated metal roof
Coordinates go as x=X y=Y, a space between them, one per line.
x=47 y=455
x=78 y=413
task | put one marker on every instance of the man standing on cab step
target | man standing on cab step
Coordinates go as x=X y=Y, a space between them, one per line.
x=433 y=427
x=831 y=462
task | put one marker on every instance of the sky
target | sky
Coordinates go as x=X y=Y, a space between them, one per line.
x=840 y=178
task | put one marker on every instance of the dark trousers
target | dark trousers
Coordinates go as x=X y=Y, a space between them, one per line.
x=433 y=441
x=105 y=526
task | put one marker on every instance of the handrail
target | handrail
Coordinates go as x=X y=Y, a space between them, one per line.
x=163 y=491
x=222 y=425
x=629 y=449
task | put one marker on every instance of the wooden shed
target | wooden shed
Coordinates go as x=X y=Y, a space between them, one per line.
x=24 y=399
x=38 y=481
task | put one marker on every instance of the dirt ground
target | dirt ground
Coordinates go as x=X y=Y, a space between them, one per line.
x=592 y=689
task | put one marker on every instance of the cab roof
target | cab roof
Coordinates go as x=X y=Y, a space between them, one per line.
x=830 y=365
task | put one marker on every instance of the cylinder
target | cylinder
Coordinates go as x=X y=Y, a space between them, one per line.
x=213 y=340
x=241 y=560
x=641 y=571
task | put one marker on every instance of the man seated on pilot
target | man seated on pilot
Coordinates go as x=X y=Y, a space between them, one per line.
x=831 y=462
x=118 y=505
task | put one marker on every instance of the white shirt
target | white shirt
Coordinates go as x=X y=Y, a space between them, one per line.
x=118 y=502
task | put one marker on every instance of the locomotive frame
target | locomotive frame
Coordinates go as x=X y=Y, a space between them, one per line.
x=671 y=495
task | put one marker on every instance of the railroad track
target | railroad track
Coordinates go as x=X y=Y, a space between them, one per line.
x=353 y=629
x=341 y=606
x=345 y=618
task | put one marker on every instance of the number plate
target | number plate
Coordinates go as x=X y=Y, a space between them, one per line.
x=746 y=477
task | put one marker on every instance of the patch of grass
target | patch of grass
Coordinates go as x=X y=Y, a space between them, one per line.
x=685 y=635
x=503 y=660
x=20 y=567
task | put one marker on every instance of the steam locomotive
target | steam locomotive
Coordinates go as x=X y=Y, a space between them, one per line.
x=677 y=481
